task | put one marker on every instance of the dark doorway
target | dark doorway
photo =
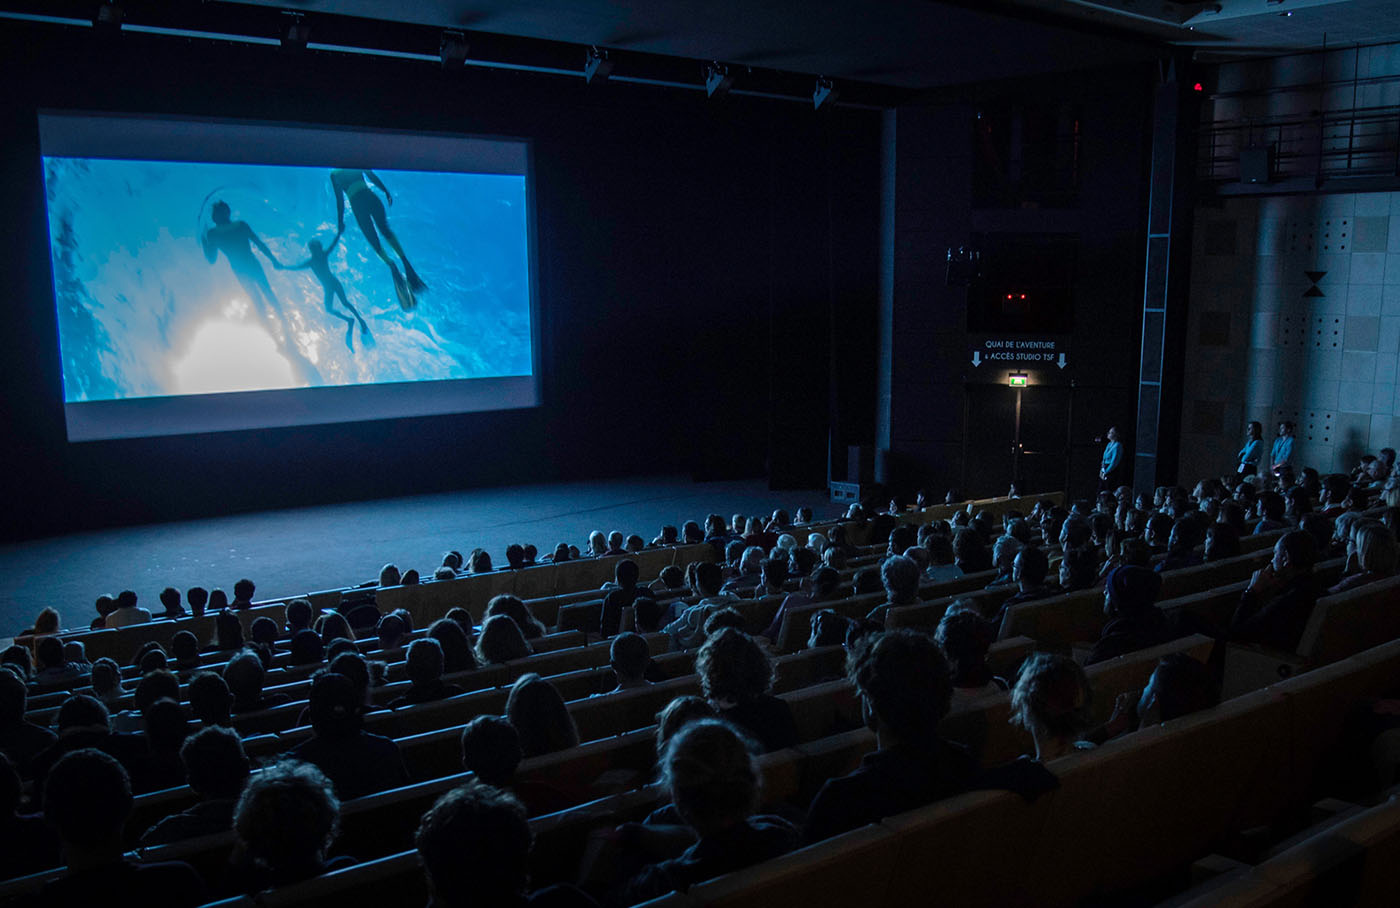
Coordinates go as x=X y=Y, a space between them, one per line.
x=991 y=460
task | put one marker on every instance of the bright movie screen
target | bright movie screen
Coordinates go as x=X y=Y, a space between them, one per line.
x=212 y=276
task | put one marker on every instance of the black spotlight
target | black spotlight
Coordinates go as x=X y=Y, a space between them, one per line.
x=718 y=80
x=598 y=66
x=825 y=94
x=453 y=50
x=108 y=20
x=297 y=32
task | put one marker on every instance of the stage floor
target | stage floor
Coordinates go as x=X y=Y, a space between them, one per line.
x=290 y=552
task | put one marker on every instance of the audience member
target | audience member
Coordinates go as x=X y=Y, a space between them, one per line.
x=501 y=641
x=299 y=617
x=106 y=680
x=900 y=576
x=457 y=654
x=630 y=656
x=87 y=799
x=1275 y=607
x=228 y=631
x=818 y=586
x=423 y=668
x=688 y=629
x=736 y=676
x=1052 y=701
x=20 y=740
x=475 y=845
x=648 y=616
x=357 y=762
x=1134 y=621
x=306 y=648
x=243 y=591
x=965 y=636
x=184 y=647
x=30 y=844
x=170 y=599
x=211 y=701
x=284 y=823
x=216 y=768
x=1375 y=557
x=127 y=612
x=1028 y=571
x=198 y=599
x=245 y=675
x=53 y=667
x=514 y=608
x=538 y=713
x=714 y=784
x=827 y=627
x=905 y=687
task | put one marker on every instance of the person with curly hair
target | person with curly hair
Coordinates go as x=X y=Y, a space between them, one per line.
x=905 y=686
x=1052 y=701
x=286 y=819
x=475 y=844
x=736 y=676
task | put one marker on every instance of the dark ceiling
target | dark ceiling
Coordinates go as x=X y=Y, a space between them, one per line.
x=905 y=43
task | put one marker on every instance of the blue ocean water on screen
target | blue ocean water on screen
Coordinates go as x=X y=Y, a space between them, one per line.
x=144 y=312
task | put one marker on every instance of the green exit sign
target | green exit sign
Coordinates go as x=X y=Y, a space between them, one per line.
x=1018 y=379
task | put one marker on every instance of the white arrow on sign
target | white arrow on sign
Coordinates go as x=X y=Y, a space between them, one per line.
x=976 y=358
x=1061 y=363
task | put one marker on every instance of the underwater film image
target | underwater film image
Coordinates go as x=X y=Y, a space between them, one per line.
x=175 y=278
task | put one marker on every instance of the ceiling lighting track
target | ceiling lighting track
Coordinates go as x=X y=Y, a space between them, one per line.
x=279 y=37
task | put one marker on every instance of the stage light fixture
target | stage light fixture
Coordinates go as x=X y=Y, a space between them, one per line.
x=718 y=80
x=825 y=94
x=453 y=50
x=598 y=66
x=109 y=17
x=297 y=33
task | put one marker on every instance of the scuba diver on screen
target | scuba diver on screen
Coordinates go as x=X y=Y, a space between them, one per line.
x=319 y=261
x=235 y=239
x=354 y=185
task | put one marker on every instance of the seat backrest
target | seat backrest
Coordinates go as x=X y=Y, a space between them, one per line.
x=850 y=869
x=394 y=880
x=979 y=839
x=1140 y=806
x=1346 y=623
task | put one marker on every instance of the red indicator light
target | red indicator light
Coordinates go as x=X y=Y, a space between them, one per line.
x=1023 y=296
x=1008 y=296
x=1197 y=87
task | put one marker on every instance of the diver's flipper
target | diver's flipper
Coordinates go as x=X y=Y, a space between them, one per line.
x=415 y=283
x=350 y=336
x=366 y=339
x=406 y=300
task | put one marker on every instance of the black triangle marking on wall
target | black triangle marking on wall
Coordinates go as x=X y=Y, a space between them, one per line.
x=1315 y=276
x=1314 y=291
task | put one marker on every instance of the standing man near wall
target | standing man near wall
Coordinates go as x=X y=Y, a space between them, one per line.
x=1111 y=469
x=1281 y=454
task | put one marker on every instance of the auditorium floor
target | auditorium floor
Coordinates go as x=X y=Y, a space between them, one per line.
x=294 y=551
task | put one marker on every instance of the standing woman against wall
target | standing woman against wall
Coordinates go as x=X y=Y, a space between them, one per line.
x=1281 y=454
x=1111 y=469
x=1253 y=450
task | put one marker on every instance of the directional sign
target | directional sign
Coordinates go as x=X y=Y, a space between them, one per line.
x=991 y=356
x=1016 y=351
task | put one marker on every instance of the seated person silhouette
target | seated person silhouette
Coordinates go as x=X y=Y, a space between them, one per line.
x=319 y=261
x=235 y=239
x=354 y=185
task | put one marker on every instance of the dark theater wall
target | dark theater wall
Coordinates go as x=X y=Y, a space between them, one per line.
x=691 y=258
x=939 y=428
